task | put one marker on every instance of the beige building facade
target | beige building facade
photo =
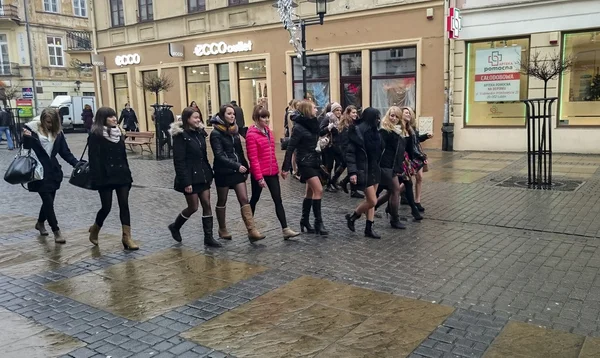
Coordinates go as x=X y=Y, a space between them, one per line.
x=61 y=42
x=487 y=110
x=363 y=55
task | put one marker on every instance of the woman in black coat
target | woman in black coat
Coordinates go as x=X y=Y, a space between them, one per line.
x=231 y=171
x=333 y=153
x=304 y=142
x=110 y=172
x=193 y=174
x=46 y=139
x=418 y=158
x=129 y=118
x=363 y=157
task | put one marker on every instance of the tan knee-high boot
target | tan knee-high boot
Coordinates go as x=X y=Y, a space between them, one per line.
x=94 y=231
x=127 y=241
x=253 y=233
x=223 y=233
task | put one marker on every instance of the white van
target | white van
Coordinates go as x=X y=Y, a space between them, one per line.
x=70 y=109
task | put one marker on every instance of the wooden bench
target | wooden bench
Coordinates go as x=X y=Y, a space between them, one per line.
x=142 y=139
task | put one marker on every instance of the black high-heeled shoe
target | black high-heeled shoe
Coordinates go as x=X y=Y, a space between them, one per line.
x=305 y=225
x=320 y=229
x=416 y=214
x=419 y=207
x=351 y=220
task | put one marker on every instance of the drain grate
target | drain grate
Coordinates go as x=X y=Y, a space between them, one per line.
x=557 y=184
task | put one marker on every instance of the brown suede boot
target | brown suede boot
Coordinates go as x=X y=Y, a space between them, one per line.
x=253 y=233
x=94 y=231
x=127 y=241
x=223 y=233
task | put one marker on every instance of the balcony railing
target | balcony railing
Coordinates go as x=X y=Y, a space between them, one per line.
x=9 y=69
x=79 y=41
x=9 y=12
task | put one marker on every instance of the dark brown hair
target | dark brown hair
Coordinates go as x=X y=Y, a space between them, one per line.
x=222 y=111
x=260 y=112
x=102 y=114
x=187 y=114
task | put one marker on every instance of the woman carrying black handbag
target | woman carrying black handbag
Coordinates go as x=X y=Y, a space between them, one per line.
x=46 y=139
x=110 y=172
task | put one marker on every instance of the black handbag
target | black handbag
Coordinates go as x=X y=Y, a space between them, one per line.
x=284 y=142
x=80 y=176
x=21 y=170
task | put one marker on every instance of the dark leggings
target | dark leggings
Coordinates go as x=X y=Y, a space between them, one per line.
x=47 y=210
x=273 y=185
x=106 y=200
x=332 y=155
x=192 y=204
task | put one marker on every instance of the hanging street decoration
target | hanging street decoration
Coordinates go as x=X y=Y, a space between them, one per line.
x=286 y=14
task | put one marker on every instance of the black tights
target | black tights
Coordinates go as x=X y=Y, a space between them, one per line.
x=192 y=204
x=106 y=200
x=273 y=185
x=240 y=191
x=392 y=195
x=47 y=210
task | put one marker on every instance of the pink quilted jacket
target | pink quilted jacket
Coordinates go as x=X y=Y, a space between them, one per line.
x=261 y=153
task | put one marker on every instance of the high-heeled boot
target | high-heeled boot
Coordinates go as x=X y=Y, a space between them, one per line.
x=344 y=184
x=319 y=227
x=94 y=232
x=207 y=228
x=396 y=223
x=305 y=219
x=176 y=226
x=253 y=233
x=223 y=233
x=351 y=220
x=369 y=232
x=127 y=241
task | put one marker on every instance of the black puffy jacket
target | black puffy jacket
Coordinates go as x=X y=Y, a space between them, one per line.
x=227 y=148
x=108 y=162
x=365 y=148
x=304 y=142
x=190 y=157
x=394 y=146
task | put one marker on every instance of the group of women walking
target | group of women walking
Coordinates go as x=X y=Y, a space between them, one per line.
x=378 y=155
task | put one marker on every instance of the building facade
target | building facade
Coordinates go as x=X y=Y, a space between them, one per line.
x=215 y=51
x=498 y=35
x=60 y=45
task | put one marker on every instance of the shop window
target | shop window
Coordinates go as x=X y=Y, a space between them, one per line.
x=394 y=78
x=197 y=81
x=237 y=2
x=196 y=5
x=493 y=83
x=350 y=79
x=252 y=77
x=580 y=88
x=145 y=11
x=317 y=79
x=116 y=13
x=121 y=90
x=149 y=100
x=55 y=51
x=224 y=85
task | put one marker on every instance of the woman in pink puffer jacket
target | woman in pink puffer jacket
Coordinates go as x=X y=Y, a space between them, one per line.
x=260 y=146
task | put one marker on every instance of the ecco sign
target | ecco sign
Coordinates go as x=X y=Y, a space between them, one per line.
x=124 y=60
x=221 y=48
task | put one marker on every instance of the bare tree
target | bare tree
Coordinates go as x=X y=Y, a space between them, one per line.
x=155 y=84
x=546 y=68
x=9 y=92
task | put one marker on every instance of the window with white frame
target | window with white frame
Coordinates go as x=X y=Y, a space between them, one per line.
x=51 y=5
x=55 y=51
x=80 y=8
x=4 y=60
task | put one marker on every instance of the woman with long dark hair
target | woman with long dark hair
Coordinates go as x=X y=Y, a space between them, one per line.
x=304 y=142
x=109 y=170
x=260 y=144
x=194 y=106
x=193 y=174
x=47 y=140
x=231 y=171
x=332 y=155
x=363 y=157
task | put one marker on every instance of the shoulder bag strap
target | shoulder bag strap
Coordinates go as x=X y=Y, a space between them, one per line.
x=84 y=150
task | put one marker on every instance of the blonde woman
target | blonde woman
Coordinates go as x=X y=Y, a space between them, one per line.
x=418 y=158
x=396 y=168
x=304 y=141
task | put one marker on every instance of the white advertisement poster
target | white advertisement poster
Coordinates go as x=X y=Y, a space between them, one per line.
x=22 y=49
x=497 y=75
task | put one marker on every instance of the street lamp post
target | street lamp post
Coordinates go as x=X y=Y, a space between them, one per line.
x=321 y=10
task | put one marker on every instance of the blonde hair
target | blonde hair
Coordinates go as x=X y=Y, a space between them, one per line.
x=388 y=125
x=305 y=107
x=413 y=117
x=293 y=104
x=54 y=117
x=346 y=120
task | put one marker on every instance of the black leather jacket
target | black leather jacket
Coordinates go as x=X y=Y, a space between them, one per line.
x=227 y=148
x=303 y=141
x=190 y=157
x=394 y=146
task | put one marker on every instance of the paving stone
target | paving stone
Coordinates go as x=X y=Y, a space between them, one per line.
x=182 y=347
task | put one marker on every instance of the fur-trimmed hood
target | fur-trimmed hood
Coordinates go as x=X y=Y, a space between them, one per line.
x=34 y=126
x=176 y=128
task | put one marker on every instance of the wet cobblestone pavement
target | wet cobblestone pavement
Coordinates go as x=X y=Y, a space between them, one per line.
x=492 y=271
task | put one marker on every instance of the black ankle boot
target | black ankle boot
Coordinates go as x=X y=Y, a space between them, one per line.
x=396 y=223
x=176 y=226
x=369 y=232
x=305 y=219
x=344 y=184
x=351 y=219
x=415 y=213
x=419 y=207
x=207 y=227
x=319 y=227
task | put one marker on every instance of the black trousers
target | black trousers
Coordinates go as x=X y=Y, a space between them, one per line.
x=332 y=155
x=47 y=210
x=273 y=185
x=106 y=201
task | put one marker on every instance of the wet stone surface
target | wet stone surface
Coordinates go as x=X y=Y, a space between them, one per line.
x=491 y=271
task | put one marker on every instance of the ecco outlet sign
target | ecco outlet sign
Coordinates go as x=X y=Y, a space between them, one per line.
x=221 y=48
x=131 y=59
